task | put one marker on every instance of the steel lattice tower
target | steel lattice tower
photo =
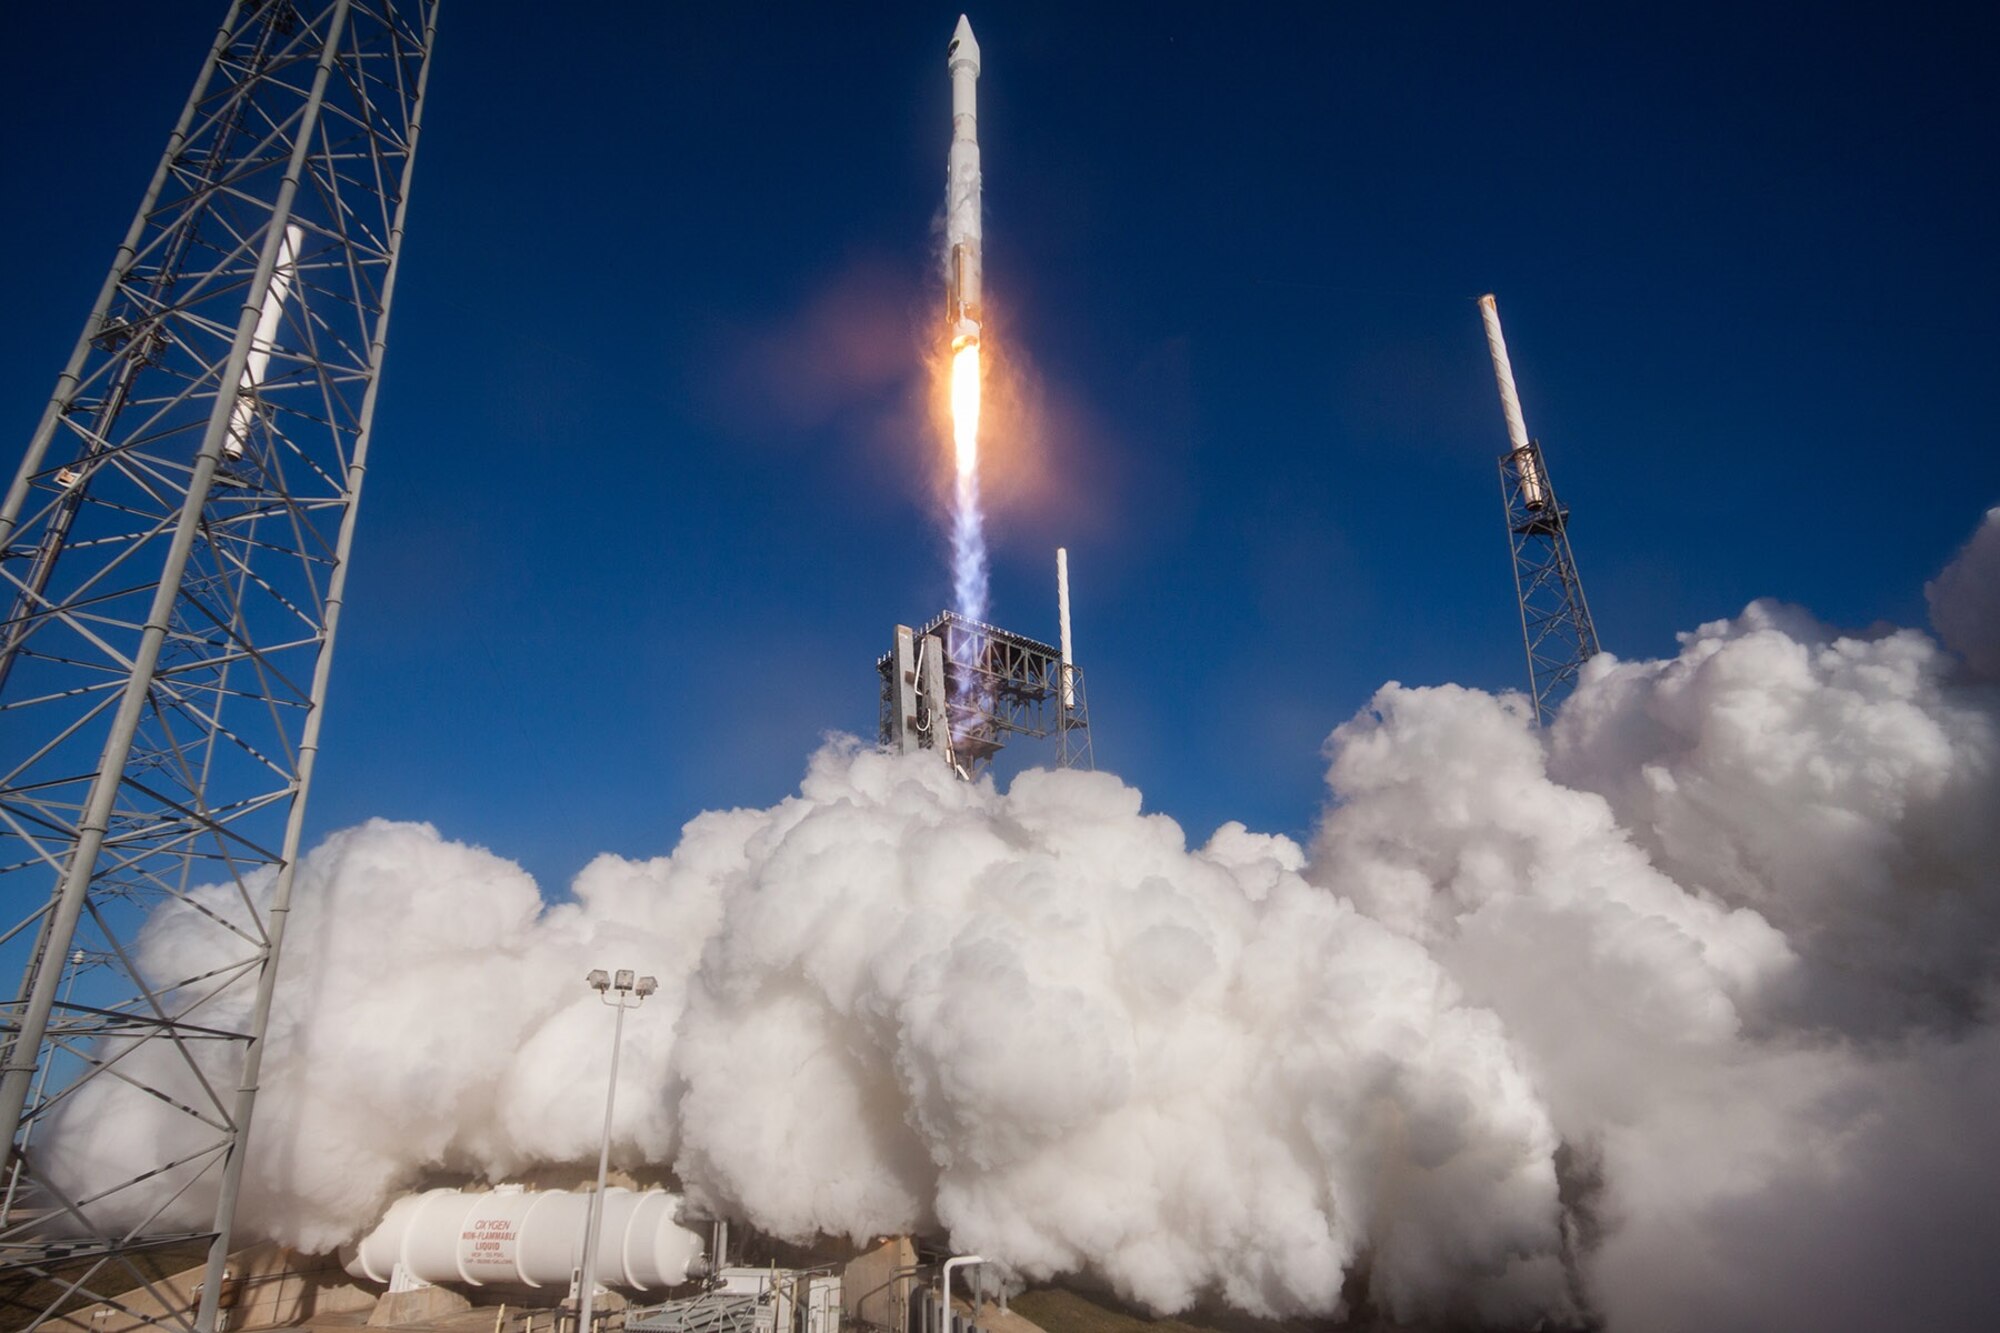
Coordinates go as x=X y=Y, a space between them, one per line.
x=1073 y=747
x=1555 y=619
x=172 y=559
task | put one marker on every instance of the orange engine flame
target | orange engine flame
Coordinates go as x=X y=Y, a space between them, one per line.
x=965 y=408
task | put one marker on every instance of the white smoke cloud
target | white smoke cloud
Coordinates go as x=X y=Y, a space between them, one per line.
x=1075 y=1044
x=1679 y=1014
x=1842 y=786
x=1965 y=600
x=1035 y=1019
x=425 y=1016
x=1738 y=911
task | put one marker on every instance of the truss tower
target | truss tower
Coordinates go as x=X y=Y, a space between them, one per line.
x=172 y=557
x=1555 y=619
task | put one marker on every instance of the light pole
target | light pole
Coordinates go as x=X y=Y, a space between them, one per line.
x=621 y=993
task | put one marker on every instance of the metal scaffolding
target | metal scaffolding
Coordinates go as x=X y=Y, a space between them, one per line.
x=172 y=558
x=1555 y=619
x=996 y=684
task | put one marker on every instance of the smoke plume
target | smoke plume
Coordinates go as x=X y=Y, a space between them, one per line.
x=1679 y=1014
x=968 y=546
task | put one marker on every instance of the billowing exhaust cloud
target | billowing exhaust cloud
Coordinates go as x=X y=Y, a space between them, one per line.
x=1679 y=1014
x=1965 y=600
x=1737 y=914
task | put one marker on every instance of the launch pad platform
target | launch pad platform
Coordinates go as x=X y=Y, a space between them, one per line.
x=965 y=687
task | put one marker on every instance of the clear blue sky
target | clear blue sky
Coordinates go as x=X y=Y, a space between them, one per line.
x=647 y=499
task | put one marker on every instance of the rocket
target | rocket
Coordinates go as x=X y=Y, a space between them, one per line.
x=961 y=191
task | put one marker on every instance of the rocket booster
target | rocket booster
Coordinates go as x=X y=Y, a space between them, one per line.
x=961 y=192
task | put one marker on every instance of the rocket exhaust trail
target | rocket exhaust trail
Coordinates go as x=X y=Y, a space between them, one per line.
x=963 y=276
x=968 y=537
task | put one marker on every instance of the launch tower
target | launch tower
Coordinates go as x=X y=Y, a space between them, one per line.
x=961 y=688
x=173 y=554
x=1555 y=619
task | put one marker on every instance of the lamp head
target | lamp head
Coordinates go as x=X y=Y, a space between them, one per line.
x=599 y=979
x=624 y=981
x=646 y=986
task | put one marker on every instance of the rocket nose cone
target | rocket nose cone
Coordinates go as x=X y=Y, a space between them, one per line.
x=964 y=46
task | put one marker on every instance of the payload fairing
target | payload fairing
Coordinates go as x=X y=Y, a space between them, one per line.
x=961 y=196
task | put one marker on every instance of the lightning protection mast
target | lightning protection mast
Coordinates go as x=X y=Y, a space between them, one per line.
x=172 y=558
x=1555 y=619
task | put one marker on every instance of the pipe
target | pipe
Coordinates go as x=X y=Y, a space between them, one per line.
x=944 y=1305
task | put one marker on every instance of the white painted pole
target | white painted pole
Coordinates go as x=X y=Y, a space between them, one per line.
x=1062 y=620
x=594 y=1216
x=264 y=341
x=1532 y=491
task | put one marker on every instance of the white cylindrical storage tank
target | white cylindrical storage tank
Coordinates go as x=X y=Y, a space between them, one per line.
x=517 y=1238
x=654 y=1251
x=550 y=1238
x=376 y=1257
x=521 y=1238
x=430 y=1236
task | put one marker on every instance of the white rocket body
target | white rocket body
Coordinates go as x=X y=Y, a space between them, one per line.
x=1533 y=493
x=963 y=260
